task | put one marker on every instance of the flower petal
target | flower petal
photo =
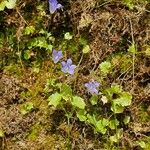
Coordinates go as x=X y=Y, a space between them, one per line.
x=59 y=6
x=92 y=87
x=71 y=69
x=73 y=66
x=56 y=55
x=96 y=84
x=94 y=91
x=63 y=63
x=64 y=70
x=86 y=85
x=60 y=54
x=69 y=62
x=52 y=6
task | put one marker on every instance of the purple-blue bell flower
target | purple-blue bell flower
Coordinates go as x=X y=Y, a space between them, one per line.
x=68 y=67
x=56 y=55
x=53 y=6
x=92 y=87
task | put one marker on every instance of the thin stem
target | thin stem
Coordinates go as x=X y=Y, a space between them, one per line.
x=133 y=57
x=76 y=75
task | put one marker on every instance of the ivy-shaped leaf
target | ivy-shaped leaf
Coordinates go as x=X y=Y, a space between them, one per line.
x=2 y=5
x=117 y=108
x=124 y=99
x=81 y=114
x=55 y=99
x=113 y=124
x=115 y=89
x=10 y=4
x=66 y=91
x=115 y=138
x=101 y=125
x=78 y=102
x=142 y=144
x=91 y=119
x=94 y=99
x=126 y=120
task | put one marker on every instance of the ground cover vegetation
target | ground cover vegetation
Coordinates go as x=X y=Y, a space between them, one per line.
x=75 y=75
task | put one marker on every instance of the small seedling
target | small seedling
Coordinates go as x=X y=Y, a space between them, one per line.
x=26 y=108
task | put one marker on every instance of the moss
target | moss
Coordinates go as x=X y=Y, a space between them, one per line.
x=14 y=69
x=143 y=114
x=34 y=132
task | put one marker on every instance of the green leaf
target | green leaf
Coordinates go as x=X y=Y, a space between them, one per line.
x=105 y=67
x=27 y=54
x=147 y=52
x=113 y=124
x=132 y=49
x=91 y=119
x=66 y=91
x=68 y=36
x=117 y=108
x=26 y=108
x=142 y=144
x=49 y=47
x=2 y=5
x=101 y=125
x=124 y=100
x=55 y=99
x=126 y=120
x=115 y=89
x=86 y=49
x=115 y=138
x=105 y=122
x=81 y=114
x=10 y=4
x=94 y=99
x=29 y=30
x=78 y=102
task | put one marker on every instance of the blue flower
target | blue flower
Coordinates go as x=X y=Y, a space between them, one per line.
x=53 y=6
x=92 y=87
x=56 y=55
x=68 y=67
